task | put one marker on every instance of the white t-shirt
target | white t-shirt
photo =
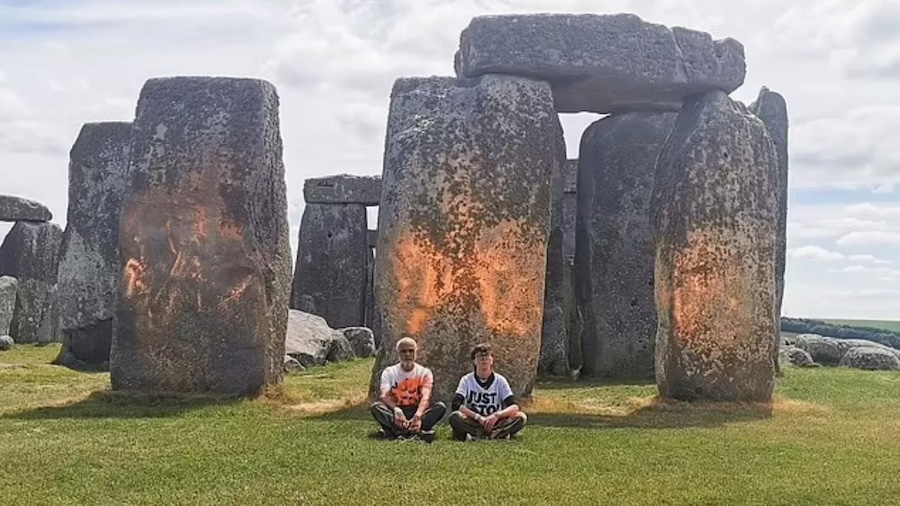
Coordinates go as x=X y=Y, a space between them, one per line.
x=406 y=386
x=484 y=399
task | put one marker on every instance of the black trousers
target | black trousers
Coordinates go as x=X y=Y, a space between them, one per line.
x=385 y=416
x=463 y=425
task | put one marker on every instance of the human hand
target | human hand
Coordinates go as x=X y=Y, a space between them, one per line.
x=400 y=419
x=415 y=424
x=489 y=422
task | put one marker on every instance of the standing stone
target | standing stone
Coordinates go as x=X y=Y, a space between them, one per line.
x=614 y=263
x=370 y=294
x=772 y=110
x=89 y=266
x=30 y=253
x=464 y=223
x=569 y=208
x=204 y=241
x=602 y=63
x=715 y=214
x=8 y=287
x=554 y=357
x=331 y=263
x=14 y=208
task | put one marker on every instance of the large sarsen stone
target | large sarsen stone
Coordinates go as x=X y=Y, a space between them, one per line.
x=464 y=223
x=203 y=302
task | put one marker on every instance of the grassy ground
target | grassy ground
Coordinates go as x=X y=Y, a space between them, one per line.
x=829 y=438
x=878 y=324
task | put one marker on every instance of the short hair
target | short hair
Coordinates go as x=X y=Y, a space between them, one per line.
x=480 y=348
x=407 y=340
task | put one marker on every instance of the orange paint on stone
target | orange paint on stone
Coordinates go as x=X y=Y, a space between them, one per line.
x=239 y=290
x=705 y=292
x=200 y=224
x=508 y=272
x=135 y=272
x=413 y=267
x=230 y=230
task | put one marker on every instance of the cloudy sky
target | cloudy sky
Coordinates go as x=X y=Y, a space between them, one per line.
x=837 y=62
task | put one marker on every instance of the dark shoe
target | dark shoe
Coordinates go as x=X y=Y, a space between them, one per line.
x=427 y=436
x=384 y=434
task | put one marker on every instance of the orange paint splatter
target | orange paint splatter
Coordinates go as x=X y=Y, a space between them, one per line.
x=510 y=275
x=200 y=223
x=239 y=290
x=134 y=274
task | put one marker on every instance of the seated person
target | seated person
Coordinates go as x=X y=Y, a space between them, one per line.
x=484 y=405
x=405 y=394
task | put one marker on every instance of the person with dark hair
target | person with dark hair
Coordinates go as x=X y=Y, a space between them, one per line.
x=484 y=405
x=404 y=408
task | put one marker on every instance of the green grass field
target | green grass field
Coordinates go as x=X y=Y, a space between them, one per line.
x=878 y=324
x=830 y=437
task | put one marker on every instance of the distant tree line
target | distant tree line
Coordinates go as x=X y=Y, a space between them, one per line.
x=806 y=326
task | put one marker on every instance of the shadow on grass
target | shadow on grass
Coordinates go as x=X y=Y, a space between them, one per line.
x=107 y=404
x=657 y=415
x=575 y=384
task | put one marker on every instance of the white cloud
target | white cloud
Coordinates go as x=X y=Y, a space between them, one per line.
x=12 y=106
x=870 y=238
x=813 y=252
x=334 y=62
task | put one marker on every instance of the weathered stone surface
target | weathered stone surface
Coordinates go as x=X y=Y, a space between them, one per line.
x=574 y=319
x=372 y=238
x=554 y=357
x=602 y=63
x=6 y=343
x=361 y=339
x=204 y=241
x=464 y=223
x=14 y=208
x=292 y=365
x=89 y=266
x=771 y=108
x=311 y=341
x=30 y=253
x=343 y=189
x=871 y=359
x=615 y=256
x=791 y=355
x=570 y=175
x=332 y=255
x=824 y=350
x=569 y=209
x=36 y=318
x=370 y=294
x=714 y=213
x=830 y=350
x=8 y=287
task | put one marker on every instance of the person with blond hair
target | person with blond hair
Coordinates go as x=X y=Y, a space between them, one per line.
x=404 y=407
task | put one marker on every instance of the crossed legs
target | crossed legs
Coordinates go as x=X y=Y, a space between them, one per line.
x=385 y=417
x=463 y=425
